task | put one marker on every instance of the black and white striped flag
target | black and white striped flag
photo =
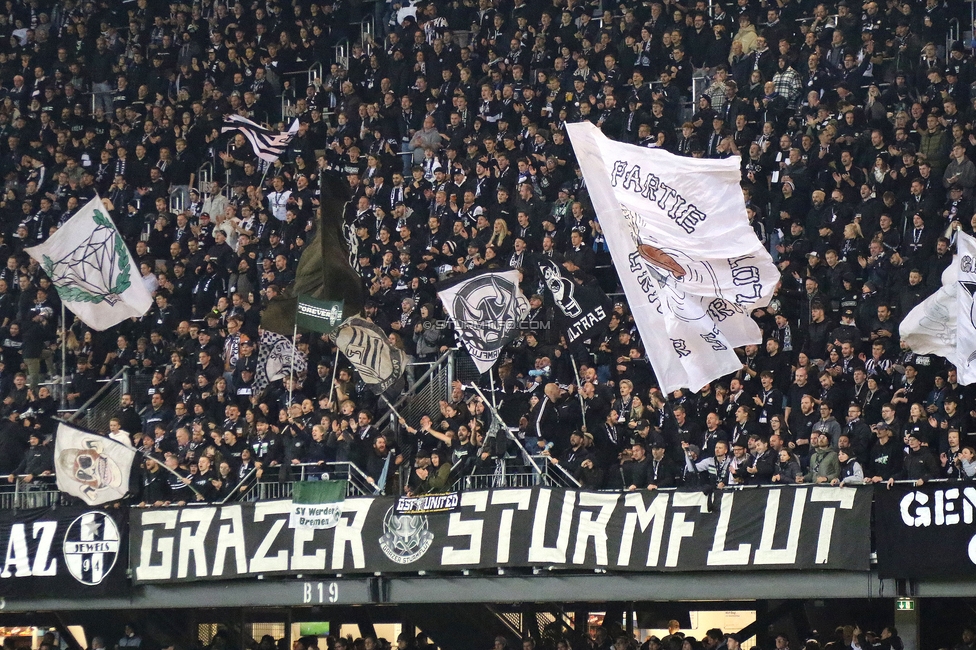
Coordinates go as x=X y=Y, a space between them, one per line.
x=268 y=145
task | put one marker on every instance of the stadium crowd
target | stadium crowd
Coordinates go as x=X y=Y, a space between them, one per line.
x=855 y=127
x=608 y=636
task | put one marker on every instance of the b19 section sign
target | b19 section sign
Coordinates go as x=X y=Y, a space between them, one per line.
x=927 y=531
x=790 y=527
x=56 y=551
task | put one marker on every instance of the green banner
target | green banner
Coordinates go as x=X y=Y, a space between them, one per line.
x=318 y=315
x=317 y=492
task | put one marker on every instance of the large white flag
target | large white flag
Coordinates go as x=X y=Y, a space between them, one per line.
x=945 y=323
x=930 y=328
x=92 y=269
x=966 y=315
x=689 y=262
x=91 y=467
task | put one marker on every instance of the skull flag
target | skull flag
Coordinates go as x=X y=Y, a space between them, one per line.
x=582 y=309
x=91 y=467
x=365 y=345
x=487 y=308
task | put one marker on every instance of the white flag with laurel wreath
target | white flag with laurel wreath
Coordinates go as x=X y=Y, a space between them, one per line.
x=92 y=269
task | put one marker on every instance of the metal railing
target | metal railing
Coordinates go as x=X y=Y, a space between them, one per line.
x=506 y=474
x=424 y=395
x=104 y=404
x=554 y=474
x=953 y=34
x=40 y=492
x=366 y=30
x=465 y=370
x=515 y=473
x=314 y=74
x=204 y=178
x=341 y=50
x=357 y=483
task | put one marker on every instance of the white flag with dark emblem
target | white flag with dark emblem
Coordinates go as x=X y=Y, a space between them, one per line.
x=930 y=328
x=945 y=322
x=277 y=358
x=965 y=357
x=486 y=308
x=688 y=259
x=92 y=269
x=366 y=346
x=267 y=144
x=91 y=467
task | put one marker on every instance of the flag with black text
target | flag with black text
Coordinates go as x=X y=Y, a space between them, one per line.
x=690 y=263
x=583 y=310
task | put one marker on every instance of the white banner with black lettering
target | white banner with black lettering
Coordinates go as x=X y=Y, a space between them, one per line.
x=795 y=527
x=689 y=261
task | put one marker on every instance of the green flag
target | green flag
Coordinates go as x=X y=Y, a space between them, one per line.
x=321 y=316
x=317 y=504
x=324 y=270
x=319 y=492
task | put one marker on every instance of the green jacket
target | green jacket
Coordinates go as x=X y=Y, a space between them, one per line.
x=823 y=462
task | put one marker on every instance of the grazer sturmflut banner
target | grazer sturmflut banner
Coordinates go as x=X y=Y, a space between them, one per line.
x=927 y=531
x=65 y=550
x=777 y=528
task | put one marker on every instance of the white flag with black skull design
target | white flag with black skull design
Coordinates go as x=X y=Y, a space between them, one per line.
x=690 y=264
x=91 y=467
x=486 y=308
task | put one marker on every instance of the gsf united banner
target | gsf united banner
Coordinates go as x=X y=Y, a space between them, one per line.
x=927 y=531
x=779 y=528
x=57 y=551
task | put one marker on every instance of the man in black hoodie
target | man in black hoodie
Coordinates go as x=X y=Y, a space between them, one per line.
x=36 y=462
x=886 y=456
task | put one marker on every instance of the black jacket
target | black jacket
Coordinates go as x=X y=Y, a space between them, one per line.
x=919 y=465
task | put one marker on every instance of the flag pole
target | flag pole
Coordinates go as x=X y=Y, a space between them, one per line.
x=335 y=376
x=294 y=351
x=395 y=412
x=579 y=387
x=138 y=450
x=491 y=378
x=64 y=359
